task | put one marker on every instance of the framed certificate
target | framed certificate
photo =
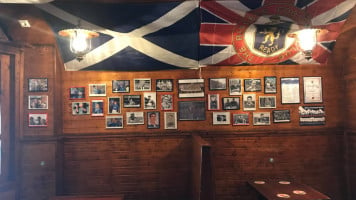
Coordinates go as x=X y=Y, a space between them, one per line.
x=313 y=92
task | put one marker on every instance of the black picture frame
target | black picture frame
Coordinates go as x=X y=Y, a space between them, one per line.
x=252 y=85
x=131 y=101
x=120 y=86
x=270 y=85
x=77 y=93
x=153 y=120
x=191 y=110
x=281 y=116
x=231 y=103
x=38 y=84
x=217 y=83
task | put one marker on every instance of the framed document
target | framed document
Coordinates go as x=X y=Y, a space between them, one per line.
x=313 y=92
x=290 y=90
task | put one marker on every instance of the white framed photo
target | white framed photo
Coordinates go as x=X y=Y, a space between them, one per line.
x=267 y=101
x=221 y=118
x=170 y=120
x=80 y=108
x=249 y=101
x=133 y=118
x=261 y=118
x=142 y=84
x=96 y=90
x=37 y=120
x=235 y=86
x=313 y=90
x=114 y=105
x=38 y=102
x=149 y=100
x=114 y=121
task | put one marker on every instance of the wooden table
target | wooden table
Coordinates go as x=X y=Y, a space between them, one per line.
x=279 y=190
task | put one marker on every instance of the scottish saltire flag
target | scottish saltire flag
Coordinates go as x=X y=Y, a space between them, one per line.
x=137 y=36
x=248 y=32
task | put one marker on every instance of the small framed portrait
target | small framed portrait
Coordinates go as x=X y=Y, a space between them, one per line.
x=142 y=84
x=270 y=83
x=149 y=100
x=153 y=119
x=133 y=118
x=235 y=86
x=170 y=120
x=252 y=85
x=77 y=93
x=189 y=88
x=191 y=110
x=166 y=101
x=97 y=107
x=290 y=90
x=37 y=120
x=249 y=101
x=221 y=118
x=132 y=101
x=217 y=84
x=313 y=92
x=96 y=90
x=281 y=116
x=261 y=118
x=120 y=86
x=164 y=85
x=114 y=105
x=38 y=85
x=241 y=119
x=231 y=103
x=267 y=101
x=114 y=121
x=38 y=102
x=213 y=102
x=80 y=108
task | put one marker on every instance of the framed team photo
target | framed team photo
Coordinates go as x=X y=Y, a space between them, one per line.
x=189 y=88
x=281 y=116
x=114 y=122
x=97 y=107
x=267 y=101
x=217 y=84
x=153 y=120
x=142 y=84
x=164 y=85
x=220 y=118
x=270 y=83
x=149 y=100
x=114 y=105
x=261 y=118
x=97 y=90
x=80 y=108
x=241 y=119
x=231 y=103
x=235 y=86
x=38 y=102
x=38 y=85
x=132 y=101
x=191 y=110
x=170 y=120
x=213 y=102
x=77 y=93
x=133 y=118
x=37 y=120
x=166 y=101
x=252 y=85
x=120 y=86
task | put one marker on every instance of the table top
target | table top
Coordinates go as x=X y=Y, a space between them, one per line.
x=278 y=190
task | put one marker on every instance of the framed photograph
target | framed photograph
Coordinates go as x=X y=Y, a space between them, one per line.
x=77 y=93
x=311 y=115
x=38 y=85
x=114 y=105
x=281 y=116
x=270 y=83
x=190 y=88
x=80 y=108
x=133 y=118
x=213 y=102
x=261 y=118
x=150 y=100
x=170 y=120
x=37 y=120
x=166 y=101
x=38 y=102
x=114 y=121
x=235 y=86
x=164 y=85
x=153 y=119
x=120 y=86
x=142 y=84
x=97 y=107
x=191 y=110
x=96 y=90
x=290 y=90
x=252 y=85
x=241 y=119
x=267 y=101
x=313 y=90
x=220 y=118
x=217 y=84
x=231 y=103
x=249 y=101
x=132 y=101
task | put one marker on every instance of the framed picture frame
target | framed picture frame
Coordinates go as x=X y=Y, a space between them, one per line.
x=114 y=105
x=240 y=119
x=191 y=110
x=153 y=120
x=97 y=106
x=166 y=101
x=149 y=100
x=133 y=118
x=231 y=103
x=281 y=116
x=97 y=90
x=249 y=101
x=235 y=86
x=217 y=84
x=37 y=120
x=120 y=86
x=313 y=90
x=170 y=120
x=38 y=84
x=132 y=101
x=114 y=121
x=270 y=84
x=252 y=85
x=213 y=101
x=267 y=101
x=164 y=85
x=290 y=90
x=38 y=102
x=261 y=118
x=142 y=84
x=220 y=118
x=312 y=115
x=77 y=93
x=81 y=108
x=190 y=88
